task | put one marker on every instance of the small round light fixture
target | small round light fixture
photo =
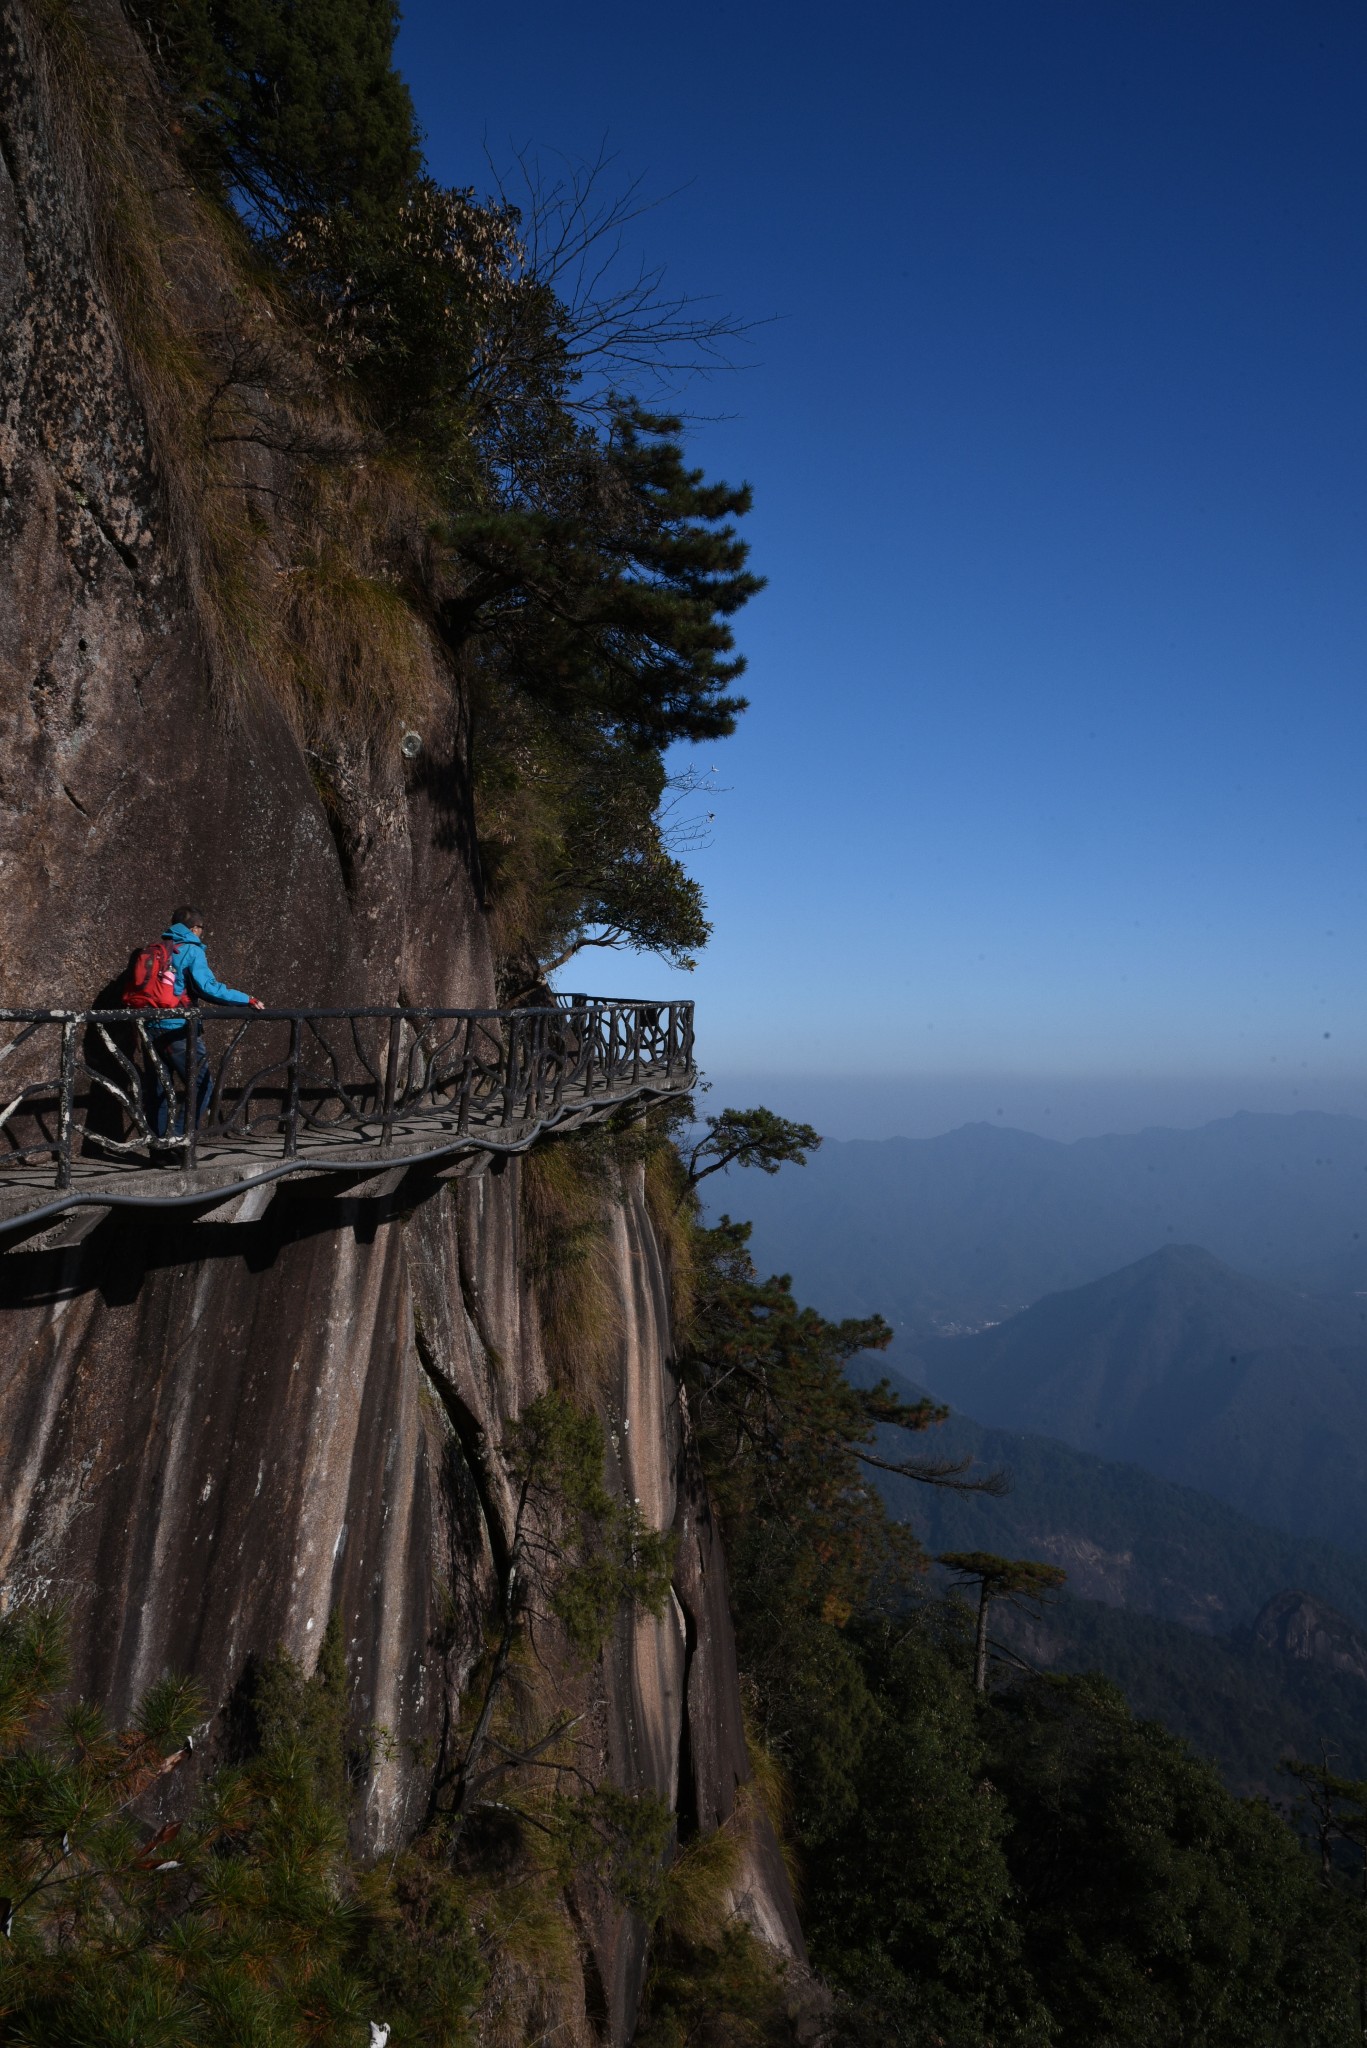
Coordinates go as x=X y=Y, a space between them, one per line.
x=410 y=746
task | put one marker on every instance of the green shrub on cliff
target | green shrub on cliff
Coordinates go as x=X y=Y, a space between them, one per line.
x=244 y=1921
x=233 y=1925
x=247 y=1923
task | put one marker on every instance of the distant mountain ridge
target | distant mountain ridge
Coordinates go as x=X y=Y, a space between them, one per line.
x=971 y=1227
x=1255 y=1393
x=1165 y=1337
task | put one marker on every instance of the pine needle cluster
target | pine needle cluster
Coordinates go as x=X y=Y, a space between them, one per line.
x=234 y=1924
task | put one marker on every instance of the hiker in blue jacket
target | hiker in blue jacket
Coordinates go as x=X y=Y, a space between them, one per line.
x=195 y=981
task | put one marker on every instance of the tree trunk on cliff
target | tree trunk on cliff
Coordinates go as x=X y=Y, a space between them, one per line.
x=468 y=1770
x=980 y=1649
x=998 y=1578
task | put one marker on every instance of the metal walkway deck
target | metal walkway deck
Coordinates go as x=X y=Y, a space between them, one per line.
x=96 y=1116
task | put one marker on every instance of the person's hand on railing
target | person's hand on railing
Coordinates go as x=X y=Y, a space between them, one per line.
x=256 y=1003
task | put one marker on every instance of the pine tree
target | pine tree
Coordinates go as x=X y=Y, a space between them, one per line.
x=749 y=1137
x=290 y=107
x=998 y=1578
x=608 y=584
x=582 y=574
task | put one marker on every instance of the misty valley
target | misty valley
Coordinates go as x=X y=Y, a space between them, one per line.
x=1162 y=1338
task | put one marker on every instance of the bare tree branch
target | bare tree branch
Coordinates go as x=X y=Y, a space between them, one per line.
x=622 y=324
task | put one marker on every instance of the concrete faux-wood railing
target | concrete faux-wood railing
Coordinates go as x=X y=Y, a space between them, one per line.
x=354 y=1093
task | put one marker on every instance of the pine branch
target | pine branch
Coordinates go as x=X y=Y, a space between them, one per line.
x=945 y=1472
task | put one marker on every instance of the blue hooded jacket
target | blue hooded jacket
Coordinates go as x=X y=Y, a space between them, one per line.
x=194 y=976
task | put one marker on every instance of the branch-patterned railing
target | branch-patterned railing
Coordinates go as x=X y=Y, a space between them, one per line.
x=102 y=1082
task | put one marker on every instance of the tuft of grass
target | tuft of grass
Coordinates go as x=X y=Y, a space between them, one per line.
x=699 y=1884
x=359 y=657
x=567 y=1185
x=769 y=1787
x=711 y=1982
x=510 y=1866
x=533 y=1989
x=728 y=1992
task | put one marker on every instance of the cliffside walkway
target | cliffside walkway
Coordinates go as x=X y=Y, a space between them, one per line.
x=350 y=1093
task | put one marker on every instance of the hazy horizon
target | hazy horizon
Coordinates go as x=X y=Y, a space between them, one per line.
x=1062 y=1106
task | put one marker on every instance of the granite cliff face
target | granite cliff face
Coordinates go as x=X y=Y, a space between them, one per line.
x=216 y=1430
x=137 y=758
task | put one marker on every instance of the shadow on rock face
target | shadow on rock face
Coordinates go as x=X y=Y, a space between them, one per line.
x=119 y=1255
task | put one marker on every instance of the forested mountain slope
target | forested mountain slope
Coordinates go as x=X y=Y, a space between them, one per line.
x=1126 y=1537
x=1155 y=1572
x=1255 y=1393
x=1237 y=1699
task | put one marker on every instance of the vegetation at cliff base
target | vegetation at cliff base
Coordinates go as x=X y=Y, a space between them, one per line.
x=243 y=1919
x=228 y=1925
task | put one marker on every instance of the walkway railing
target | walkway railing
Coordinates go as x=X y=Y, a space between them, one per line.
x=111 y=1084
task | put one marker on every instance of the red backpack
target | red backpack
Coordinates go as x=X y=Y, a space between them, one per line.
x=152 y=980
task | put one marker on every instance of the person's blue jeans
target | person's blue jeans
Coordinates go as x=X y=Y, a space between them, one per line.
x=172 y=1050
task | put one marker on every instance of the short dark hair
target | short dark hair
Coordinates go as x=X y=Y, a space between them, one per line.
x=187 y=915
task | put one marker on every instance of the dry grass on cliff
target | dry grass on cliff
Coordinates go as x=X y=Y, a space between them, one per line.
x=770 y=1790
x=712 y=1980
x=358 y=654
x=700 y=1882
x=301 y=550
x=535 y=1986
x=568 y=1187
x=673 y=1215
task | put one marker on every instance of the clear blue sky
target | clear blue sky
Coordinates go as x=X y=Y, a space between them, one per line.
x=1056 y=765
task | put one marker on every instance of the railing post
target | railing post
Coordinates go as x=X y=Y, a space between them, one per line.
x=537 y=1069
x=635 y=1044
x=566 y=1028
x=467 y=1075
x=66 y=1102
x=514 y=1026
x=391 y=1073
x=292 y=1087
x=192 y=1046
